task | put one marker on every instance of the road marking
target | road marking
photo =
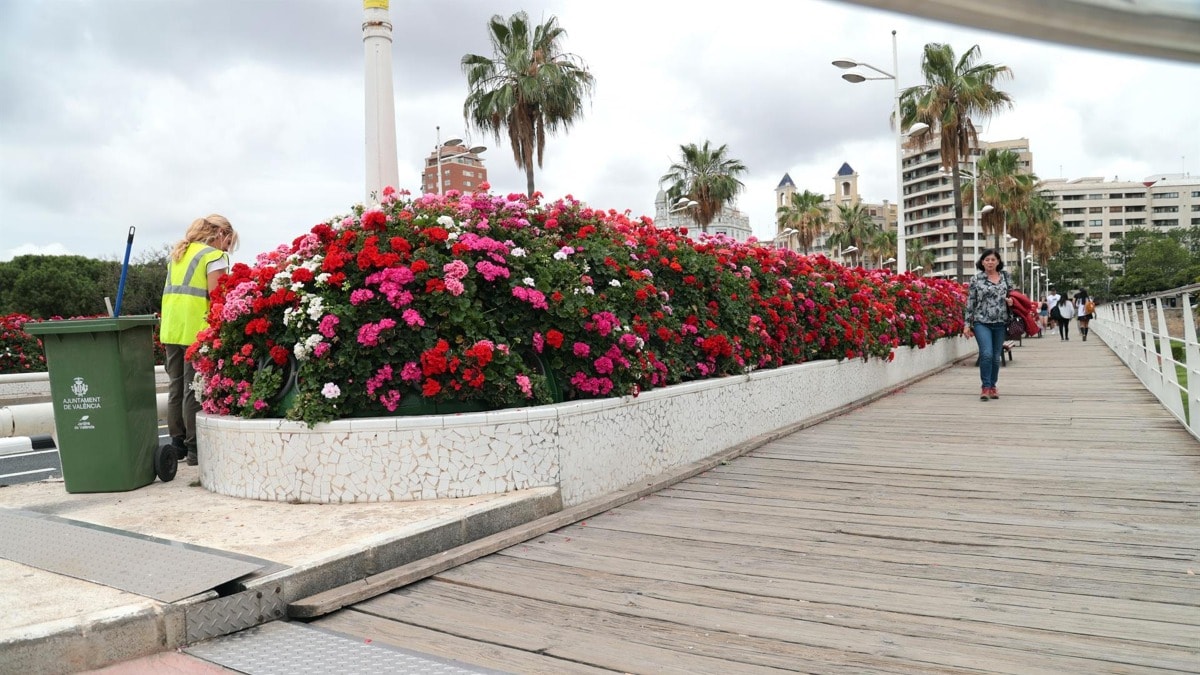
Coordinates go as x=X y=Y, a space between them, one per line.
x=27 y=473
x=32 y=453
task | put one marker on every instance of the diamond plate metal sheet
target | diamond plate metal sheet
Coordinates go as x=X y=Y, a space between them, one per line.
x=221 y=616
x=286 y=648
x=159 y=569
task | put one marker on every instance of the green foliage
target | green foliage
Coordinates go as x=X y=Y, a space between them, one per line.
x=529 y=87
x=20 y=352
x=807 y=214
x=707 y=175
x=45 y=286
x=1157 y=264
x=1072 y=269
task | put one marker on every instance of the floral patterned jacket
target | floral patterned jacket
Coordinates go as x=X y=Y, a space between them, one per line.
x=985 y=300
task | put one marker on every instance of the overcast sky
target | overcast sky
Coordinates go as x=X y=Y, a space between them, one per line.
x=150 y=113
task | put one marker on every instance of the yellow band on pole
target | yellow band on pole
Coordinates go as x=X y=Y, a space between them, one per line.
x=375 y=4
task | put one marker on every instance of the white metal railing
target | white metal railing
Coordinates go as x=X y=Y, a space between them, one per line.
x=1136 y=329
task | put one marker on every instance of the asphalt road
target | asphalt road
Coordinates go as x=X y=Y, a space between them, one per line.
x=35 y=465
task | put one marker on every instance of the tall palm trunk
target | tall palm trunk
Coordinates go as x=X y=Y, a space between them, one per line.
x=956 y=181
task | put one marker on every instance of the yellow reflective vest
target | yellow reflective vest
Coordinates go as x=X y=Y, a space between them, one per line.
x=185 y=295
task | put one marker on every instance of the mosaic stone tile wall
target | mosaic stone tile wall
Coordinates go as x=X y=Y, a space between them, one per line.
x=586 y=448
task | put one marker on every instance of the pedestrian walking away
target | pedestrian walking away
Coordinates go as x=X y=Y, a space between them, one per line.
x=1085 y=307
x=1066 y=311
x=1052 y=302
x=196 y=264
x=986 y=318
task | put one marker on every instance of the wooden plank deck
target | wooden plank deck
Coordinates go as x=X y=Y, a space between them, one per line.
x=1055 y=530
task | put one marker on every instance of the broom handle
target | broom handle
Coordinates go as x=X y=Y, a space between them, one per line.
x=124 y=271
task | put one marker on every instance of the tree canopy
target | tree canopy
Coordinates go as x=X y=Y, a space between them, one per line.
x=528 y=87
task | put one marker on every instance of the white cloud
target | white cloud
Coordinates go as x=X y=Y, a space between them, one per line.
x=54 y=248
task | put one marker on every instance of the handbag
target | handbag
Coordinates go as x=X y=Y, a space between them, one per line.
x=1015 y=329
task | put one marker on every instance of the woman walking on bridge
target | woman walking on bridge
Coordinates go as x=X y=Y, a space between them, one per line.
x=1066 y=312
x=988 y=304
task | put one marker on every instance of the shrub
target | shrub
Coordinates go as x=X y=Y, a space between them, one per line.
x=20 y=352
x=502 y=301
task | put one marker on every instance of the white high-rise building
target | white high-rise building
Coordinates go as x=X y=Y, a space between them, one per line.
x=929 y=205
x=1100 y=211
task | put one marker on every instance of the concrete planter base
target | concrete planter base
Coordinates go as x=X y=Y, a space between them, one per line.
x=585 y=448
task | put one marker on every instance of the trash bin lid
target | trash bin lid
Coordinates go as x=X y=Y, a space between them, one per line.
x=99 y=325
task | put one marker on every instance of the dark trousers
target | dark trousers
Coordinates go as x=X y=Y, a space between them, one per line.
x=1064 y=329
x=181 y=400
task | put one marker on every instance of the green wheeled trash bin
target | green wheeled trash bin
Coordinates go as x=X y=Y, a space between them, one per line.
x=105 y=407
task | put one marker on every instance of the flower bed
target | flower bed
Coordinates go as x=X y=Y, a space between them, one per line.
x=20 y=352
x=475 y=301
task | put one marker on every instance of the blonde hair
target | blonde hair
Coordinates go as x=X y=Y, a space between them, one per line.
x=205 y=230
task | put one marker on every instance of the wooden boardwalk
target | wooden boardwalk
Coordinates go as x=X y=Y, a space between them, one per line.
x=1056 y=530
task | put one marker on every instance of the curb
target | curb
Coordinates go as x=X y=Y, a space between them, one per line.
x=133 y=631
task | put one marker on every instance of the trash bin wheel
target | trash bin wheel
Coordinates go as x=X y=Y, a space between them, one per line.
x=166 y=462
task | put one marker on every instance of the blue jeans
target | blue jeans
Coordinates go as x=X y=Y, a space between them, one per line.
x=990 y=338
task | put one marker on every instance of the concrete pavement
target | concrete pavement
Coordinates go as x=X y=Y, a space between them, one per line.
x=54 y=623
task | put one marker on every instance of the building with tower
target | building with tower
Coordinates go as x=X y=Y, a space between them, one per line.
x=845 y=193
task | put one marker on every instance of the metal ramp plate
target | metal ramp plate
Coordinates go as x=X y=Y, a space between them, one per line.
x=156 y=568
x=286 y=648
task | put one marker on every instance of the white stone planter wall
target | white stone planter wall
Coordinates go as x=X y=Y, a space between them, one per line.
x=585 y=448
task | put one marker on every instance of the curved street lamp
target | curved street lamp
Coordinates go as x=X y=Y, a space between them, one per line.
x=894 y=76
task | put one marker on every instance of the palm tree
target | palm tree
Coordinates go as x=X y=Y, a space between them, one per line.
x=707 y=176
x=1004 y=186
x=854 y=227
x=881 y=244
x=529 y=88
x=919 y=256
x=1042 y=228
x=807 y=214
x=955 y=90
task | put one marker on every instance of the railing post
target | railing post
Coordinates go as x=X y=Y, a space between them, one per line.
x=1149 y=355
x=1191 y=358
x=1171 y=394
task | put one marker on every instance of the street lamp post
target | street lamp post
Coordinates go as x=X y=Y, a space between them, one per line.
x=682 y=204
x=894 y=76
x=452 y=143
x=787 y=235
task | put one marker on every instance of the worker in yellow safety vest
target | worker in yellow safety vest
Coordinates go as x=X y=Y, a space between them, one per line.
x=196 y=264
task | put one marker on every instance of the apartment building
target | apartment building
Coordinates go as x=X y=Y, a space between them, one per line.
x=1100 y=211
x=729 y=221
x=929 y=204
x=462 y=170
x=845 y=193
